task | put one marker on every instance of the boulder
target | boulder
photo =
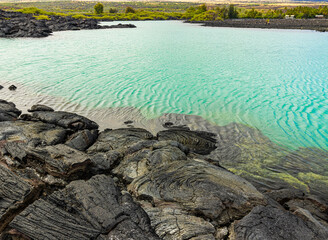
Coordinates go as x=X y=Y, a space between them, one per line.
x=119 y=138
x=83 y=139
x=317 y=208
x=31 y=133
x=171 y=222
x=17 y=136
x=65 y=120
x=84 y=210
x=104 y=161
x=8 y=111
x=15 y=194
x=270 y=223
x=40 y=107
x=59 y=161
x=120 y=25
x=12 y=88
x=201 y=188
x=150 y=155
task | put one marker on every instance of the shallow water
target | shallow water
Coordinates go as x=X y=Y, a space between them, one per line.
x=273 y=80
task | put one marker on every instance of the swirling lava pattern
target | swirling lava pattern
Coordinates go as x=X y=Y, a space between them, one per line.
x=273 y=80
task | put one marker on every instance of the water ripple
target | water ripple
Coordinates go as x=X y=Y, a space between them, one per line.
x=273 y=80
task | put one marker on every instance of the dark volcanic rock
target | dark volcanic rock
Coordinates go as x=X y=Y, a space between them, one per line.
x=58 y=161
x=12 y=88
x=318 y=209
x=120 y=25
x=16 y=24
x=198 y=141
x=8 y=111
x=118 y=138
x=142 y=157
x=1 y=87
x=199 y=187
x=40 y=107
x=84 y=210
x=276 y=224
x=65 y=120
x=14 y=194
x=81 y=140
x=31 y=133
x=180 y=193
x=128 y=122
x=172 y=222
x=312 y=24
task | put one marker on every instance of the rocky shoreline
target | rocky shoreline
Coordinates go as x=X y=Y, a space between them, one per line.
x=16 y=24
x=60 y=178
x=306 y=24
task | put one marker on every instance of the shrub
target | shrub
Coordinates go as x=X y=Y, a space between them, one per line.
x=99 y=8
x=32 y=10
x=205 y=16
x=130 y=10
x=79 y=16
x=113 y=10
x=42 y=17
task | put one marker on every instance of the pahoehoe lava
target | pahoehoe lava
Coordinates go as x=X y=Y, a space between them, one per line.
x=62 y=178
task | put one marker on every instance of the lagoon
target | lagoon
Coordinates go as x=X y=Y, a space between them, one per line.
x=272 y=80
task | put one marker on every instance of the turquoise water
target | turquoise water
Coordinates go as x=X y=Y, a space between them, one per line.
x=274 y=80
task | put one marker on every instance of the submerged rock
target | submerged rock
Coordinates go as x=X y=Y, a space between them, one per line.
x=198 y=141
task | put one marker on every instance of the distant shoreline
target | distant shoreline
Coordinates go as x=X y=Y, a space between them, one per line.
x=305 y=24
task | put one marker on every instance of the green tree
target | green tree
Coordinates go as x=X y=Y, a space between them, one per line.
x=113 y=10
x=254 y=14
x=201 y=8
x=130 y=10
x=222 y=12
x=232 y=12
x=99 y=8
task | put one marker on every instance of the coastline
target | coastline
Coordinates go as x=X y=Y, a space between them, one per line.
x=17 y=24
x=320 y=25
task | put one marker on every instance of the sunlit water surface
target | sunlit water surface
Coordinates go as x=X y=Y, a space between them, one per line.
x=273 y=80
